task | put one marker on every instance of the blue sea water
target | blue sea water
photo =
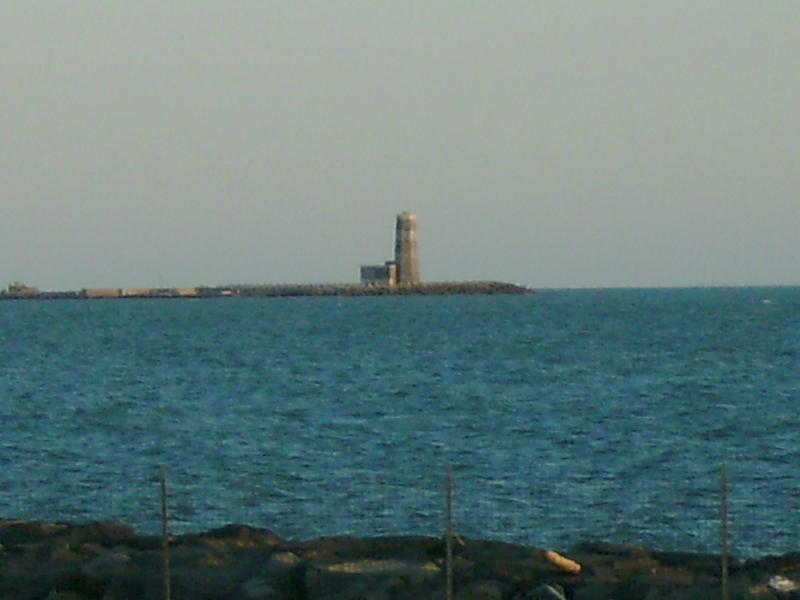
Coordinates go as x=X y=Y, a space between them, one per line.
x=566 y=415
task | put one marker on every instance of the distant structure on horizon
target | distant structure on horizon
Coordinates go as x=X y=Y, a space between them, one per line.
x=394 y=277
x=405 y=266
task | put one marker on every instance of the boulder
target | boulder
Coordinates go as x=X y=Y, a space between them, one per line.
x=259 y=588
x=64 y=596
x=411 y=548
x=280 y=575
x=101 y=533
x=23 y=581
x=518 y=568
x=546 y=592
x=281 y=564
x=371 y=579
x=207 y=583
x=90 y=549
x=136 y=583
x=57 y=561
x=707 y=564
x=598 y=548
x=598 y=590
x=233 y=538
x=101 y=569
x=15 y=532
x=480 y=590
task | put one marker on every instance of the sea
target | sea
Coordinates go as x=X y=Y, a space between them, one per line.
x=551 y=418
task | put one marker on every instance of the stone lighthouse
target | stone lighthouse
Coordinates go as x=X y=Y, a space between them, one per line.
x=406 y=252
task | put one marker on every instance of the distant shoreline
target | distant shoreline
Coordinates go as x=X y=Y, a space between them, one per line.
x=443 y=288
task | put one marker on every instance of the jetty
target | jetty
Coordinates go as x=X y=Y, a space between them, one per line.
x=41 y=560
x=397 y=277
x=19 y=291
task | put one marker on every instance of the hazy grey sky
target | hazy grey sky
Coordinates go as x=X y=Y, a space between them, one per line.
x=553 y=144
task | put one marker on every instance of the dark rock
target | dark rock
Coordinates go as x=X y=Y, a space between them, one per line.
x=196 y=573
x=106 y=534
x=90 y=549
x=463 y=569
x=135 y=583
x=100 y=570
x=365 y=578
x=412 y=548
x=22 y=581
x=480 y=590
x=746 y=590
x=260 y=588
x=775 y=564
x=109 y=561
x=144 y=542
x=281 y=564
x=64 y=596
x=180 y=556
x=207 y=583
x=710 y=564
x=287 y=572
x=600 y=590
x=233 y=537
x=15 y=533
x=546 y=592
x=605 y=548
x=279 y=574
x=697 y=591
x=509 y=563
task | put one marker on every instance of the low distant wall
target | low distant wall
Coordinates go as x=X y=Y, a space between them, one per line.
x=443 y=288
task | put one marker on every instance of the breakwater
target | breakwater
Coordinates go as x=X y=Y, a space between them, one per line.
x=23 y=292
x=110 y=560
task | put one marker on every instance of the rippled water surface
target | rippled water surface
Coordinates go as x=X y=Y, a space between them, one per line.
x=566 y=415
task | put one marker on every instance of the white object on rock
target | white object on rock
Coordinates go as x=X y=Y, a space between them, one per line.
x=779 y=583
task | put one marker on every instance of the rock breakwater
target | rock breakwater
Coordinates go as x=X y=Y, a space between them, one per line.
x=19 y=291
x=110 y=561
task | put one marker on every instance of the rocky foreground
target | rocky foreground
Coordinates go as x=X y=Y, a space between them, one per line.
x=110 y=561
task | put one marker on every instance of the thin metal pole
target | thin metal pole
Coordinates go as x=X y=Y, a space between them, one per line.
x=449 y=531
x=726 y=594
x=165 y=532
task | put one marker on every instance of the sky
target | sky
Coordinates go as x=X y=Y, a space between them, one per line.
x=547 y=143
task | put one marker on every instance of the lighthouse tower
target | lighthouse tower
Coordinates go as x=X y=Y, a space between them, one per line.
x=406 y=252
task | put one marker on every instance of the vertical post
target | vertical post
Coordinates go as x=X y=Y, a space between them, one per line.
x=724 y=532
x=449 y=531
x=165 y=532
